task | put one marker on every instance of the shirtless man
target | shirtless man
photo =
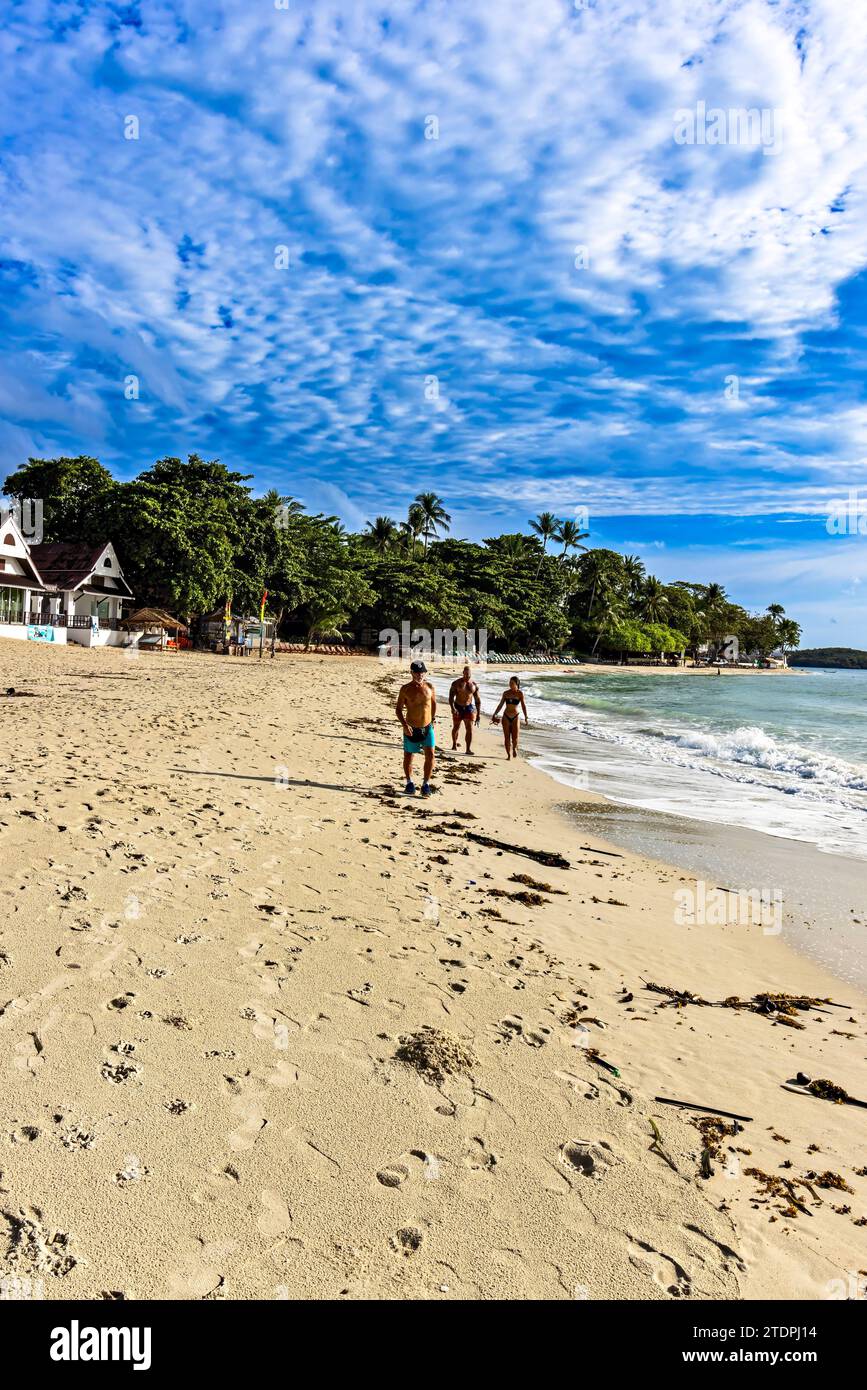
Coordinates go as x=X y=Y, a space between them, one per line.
x=466 y=706
x=416 y=710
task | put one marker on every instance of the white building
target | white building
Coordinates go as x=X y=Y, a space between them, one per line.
x=61 y=591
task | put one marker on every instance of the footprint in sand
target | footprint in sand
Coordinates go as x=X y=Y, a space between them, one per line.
x=407 y=1240
x=663 y=1269
x=588 y=1157
x=412 y=1167
x=253 y=1121
x=479 y=1158
x=200 y=1274
x=514 y=1027
x=276 y=1218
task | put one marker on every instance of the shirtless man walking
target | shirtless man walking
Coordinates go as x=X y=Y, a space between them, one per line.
x=416 y=710
x=466 y=706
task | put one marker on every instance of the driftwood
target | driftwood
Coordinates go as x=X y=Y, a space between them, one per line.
x=542 y=856
x=707 y=1109
x=591 y=849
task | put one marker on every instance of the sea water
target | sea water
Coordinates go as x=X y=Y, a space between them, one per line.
x=782 y=753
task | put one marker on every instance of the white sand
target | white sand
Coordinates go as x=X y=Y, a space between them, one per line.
x=213 y=938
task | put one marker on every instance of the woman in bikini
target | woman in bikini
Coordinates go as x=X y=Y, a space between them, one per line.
x=513 y=698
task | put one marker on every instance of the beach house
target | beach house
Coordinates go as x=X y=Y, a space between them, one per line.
x=60 y=591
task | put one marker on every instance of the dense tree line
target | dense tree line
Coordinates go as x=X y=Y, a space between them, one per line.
x=838 y=658
x=191 y=534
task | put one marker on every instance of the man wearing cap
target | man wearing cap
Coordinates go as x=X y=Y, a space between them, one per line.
x=416 y=709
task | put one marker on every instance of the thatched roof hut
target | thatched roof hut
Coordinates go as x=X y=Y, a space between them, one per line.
x=154 y=617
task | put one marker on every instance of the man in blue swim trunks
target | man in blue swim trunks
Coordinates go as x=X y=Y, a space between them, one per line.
x=416 y=709
x=466 y=704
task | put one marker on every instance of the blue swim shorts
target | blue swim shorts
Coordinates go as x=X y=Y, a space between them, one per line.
x=425 y=740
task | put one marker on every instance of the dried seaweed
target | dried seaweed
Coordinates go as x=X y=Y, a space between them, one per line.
x=550 y=859
x=529 y=882
x=829 y=1180
x=676 y=997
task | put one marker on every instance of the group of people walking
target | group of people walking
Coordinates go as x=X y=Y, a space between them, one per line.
x=416 y=709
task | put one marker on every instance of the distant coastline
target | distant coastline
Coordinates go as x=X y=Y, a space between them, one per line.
x=834 y=658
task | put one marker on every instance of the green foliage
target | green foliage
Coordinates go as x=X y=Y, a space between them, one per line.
x=77 y=495
x=838 y=658
x=190 y=535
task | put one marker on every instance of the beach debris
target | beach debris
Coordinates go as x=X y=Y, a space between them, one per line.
x=591 y=849
x=542 y=856
x=524 y=896
x=829 y=1180
x=783 y=1189
x=824 y=1089
x=593 y=1054
x=529 y=882
x=780 y=1004
x=657 y=1147
x=676 y=997
x=435 y=1054
x=779 y=1008
x=713 y=1131
x=708 y=1109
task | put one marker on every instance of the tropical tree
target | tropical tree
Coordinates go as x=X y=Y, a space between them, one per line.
x=381 y=534
x=545 y=525
x=325 y=620
x=633 y=573
x=569 y=535
x=788 y=634
x=433 y=514
x=77 y=496
x=611 y=611
x=652 y=599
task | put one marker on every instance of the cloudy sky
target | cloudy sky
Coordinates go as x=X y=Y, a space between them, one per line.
x=529 y=254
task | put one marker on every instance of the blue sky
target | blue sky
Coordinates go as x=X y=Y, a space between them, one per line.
x=672 y=335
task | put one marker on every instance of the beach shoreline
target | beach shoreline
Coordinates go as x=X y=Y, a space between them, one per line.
x=222 y=919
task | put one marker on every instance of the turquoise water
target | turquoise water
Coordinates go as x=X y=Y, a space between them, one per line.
x=785 y=754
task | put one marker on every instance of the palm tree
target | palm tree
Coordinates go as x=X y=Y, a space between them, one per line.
x=596 y=567
x=546 y=526
x=570 y=536
x=713 y=600
x=434 y=516
x=788 y=634
x=633 y=572
x=654 y=603
x=777 y=611
x=326 y=620
x=515 y=547
x=610 y=612
x=381 y=534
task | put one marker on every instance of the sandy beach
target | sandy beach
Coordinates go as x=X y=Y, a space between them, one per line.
x=224 y=940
